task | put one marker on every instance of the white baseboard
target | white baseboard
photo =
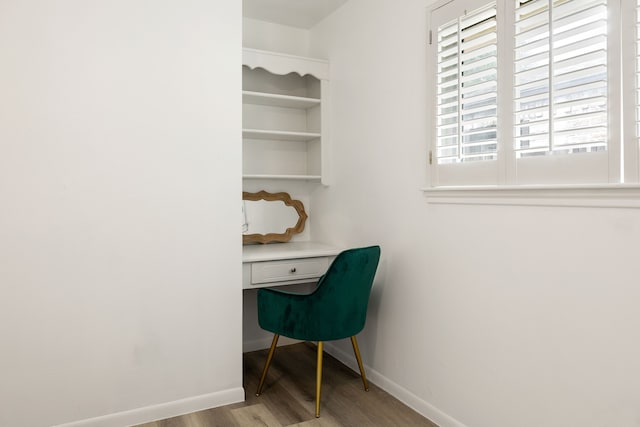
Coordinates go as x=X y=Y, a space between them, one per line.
x=226 y=397
x=402 y=394
x=262 y=343
x=163 y=410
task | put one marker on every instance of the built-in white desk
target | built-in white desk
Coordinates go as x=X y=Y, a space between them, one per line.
x=279 y=264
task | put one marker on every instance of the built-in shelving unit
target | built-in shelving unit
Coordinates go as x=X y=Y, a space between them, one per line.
x=285 y=117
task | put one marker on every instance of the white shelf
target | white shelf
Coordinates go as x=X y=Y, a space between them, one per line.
x=275 y=100
x=284 y=177
x=279 y=135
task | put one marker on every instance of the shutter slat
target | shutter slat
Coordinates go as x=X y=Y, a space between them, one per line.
x=598 y=27
x=524 y=101
x=532 y=75
x=598 y=72
x=582 y=47
x=532 y=48
x=530 y=8
x=577 y=63
x=529 y=127
x=586 y=91
x=577 y=13
x=481 y=64
x=529 y=62
x=595 y=104
x=479 y=96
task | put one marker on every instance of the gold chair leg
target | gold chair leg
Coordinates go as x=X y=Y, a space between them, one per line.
x=318 y=378
x=267 y=363
x=356 y=350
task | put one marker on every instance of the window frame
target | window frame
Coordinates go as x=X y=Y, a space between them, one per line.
x=504 y=187
x=455 y=174
x=630 y=24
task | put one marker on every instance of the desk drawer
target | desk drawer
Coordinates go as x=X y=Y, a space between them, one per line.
x=293 y=269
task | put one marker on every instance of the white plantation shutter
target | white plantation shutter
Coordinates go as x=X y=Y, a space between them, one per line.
x=532 y=80
x=448 y=141
x=561 y=95
x=465 y=44
x=630 y=35
x=637 y=68
x=468 y=88
x=561 y=54
x=566 y=112
x=632 y=146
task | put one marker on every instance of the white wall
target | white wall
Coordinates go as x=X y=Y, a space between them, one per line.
x=264 y=35
x=120 y=167
x=483 y=316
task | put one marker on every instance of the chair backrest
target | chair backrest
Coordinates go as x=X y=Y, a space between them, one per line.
x=342 y=295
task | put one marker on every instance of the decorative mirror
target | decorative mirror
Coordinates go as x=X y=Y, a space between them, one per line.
x=271 y=217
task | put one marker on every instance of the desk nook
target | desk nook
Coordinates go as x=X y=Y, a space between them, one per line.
x=270 y=220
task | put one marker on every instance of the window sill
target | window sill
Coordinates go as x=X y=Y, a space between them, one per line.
x=598 y=196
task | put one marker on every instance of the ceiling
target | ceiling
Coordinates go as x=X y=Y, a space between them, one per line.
x=295 y=13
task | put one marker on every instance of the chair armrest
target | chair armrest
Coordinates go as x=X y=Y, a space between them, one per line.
x=280 y=291
x=281 y=297
x=285 y=313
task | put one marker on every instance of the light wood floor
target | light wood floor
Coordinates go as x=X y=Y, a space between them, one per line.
x=288 y=397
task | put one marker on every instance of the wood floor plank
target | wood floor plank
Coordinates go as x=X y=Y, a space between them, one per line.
x=188 y=420
x=290 y=384
x=219 y=417
x=323 y=421
x=288 y=397
x=255 y=415
x=280 y=393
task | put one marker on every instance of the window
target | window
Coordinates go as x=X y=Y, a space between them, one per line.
x=530 y=92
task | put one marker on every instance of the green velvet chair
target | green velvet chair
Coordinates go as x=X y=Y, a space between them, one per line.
x=336 y=309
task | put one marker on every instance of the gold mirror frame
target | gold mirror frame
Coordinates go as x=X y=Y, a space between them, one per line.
x=276 y=237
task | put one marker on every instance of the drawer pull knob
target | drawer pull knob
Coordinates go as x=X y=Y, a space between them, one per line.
x=293 y=270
